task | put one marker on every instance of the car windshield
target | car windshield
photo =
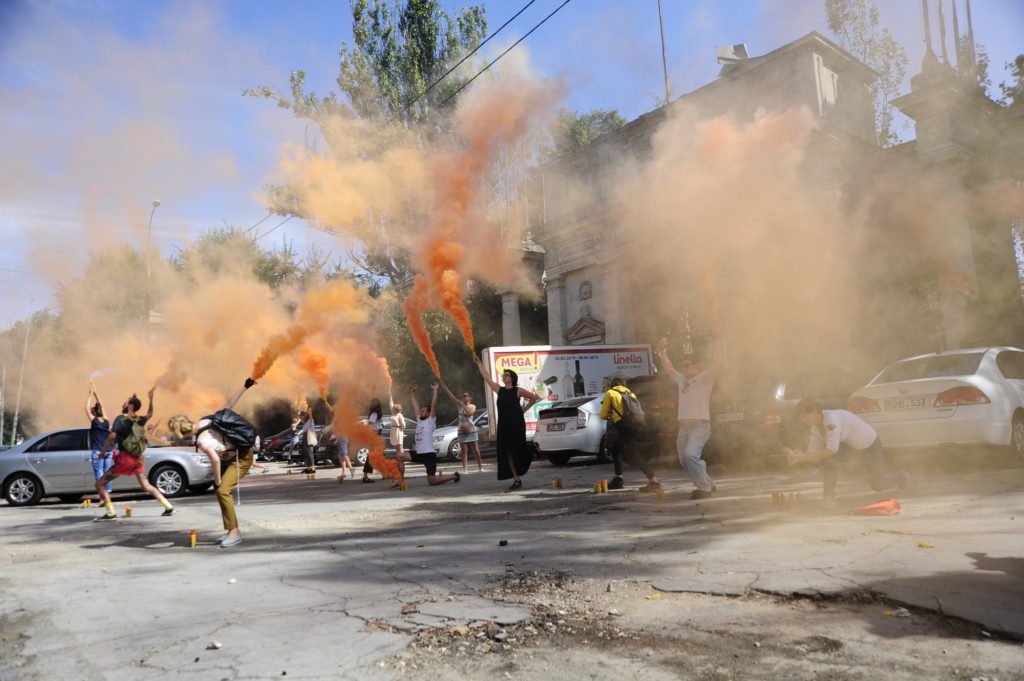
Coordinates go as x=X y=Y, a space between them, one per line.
x=574 y=402
x=930 y=367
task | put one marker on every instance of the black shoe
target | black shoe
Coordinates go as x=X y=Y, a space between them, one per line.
x=649 y=488
x=701 y=494
x=368 y=480
x=107 y=516
x=616 y=483
x=518 y=484
x=168 y=511
x=457 y=476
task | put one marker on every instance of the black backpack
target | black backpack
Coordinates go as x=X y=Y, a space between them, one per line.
x=235 y=429
x=632 y=412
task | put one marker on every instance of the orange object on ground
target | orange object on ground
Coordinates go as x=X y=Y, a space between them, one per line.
x=887 y=507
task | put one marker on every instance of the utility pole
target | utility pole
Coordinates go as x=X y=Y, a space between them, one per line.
x=149 y=272
x=664 y=58
x=21 y=374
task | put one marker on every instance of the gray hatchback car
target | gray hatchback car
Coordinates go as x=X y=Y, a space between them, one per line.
x=58 y=464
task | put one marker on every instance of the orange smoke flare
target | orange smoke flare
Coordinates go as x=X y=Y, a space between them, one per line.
x=316 y=311
x=359 y=434
x=414 y=306
x=315 y=365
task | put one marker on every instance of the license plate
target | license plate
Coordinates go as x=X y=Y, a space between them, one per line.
x=555 y=426
x=733 y=416
x=917 y=402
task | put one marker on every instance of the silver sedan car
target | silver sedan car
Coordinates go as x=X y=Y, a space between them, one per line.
x=58 y=464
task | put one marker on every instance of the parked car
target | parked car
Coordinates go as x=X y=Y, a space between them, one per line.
x=572 y=428
x=753 y=415
x=446 y=438
x=967 y=397
x=58 y=464
x=274 y=447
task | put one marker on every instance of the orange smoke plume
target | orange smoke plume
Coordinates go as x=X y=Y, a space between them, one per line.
x=414 y=306
x=313 y=317
x=174 y=378
x=315 y=365
x=347 y=422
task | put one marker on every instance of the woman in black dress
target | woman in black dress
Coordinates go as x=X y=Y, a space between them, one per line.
x=514 y=453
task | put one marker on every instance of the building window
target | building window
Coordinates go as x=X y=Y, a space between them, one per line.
x=586 y=291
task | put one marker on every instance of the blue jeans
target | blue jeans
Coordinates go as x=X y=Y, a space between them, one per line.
x=101 y=466
x=693 y=435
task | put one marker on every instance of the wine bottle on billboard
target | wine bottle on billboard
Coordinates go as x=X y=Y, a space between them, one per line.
x=577 y=382
x=567 y=383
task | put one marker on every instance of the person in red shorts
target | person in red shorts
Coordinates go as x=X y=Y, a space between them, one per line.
x=125 y=463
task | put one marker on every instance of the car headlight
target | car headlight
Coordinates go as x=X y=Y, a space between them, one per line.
x=201 y=459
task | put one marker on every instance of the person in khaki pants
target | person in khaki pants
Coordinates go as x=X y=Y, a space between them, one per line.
x=229 y=467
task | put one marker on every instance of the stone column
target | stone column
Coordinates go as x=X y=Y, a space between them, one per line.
x=511 y=332
x=556 y=310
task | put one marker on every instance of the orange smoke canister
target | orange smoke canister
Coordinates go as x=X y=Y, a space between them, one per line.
x=192 y=537
x=127 y=511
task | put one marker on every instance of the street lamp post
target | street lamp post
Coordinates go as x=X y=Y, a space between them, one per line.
x=149 y=272
x=21 y=374
x=3 y=389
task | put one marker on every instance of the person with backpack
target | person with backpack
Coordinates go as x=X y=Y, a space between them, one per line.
x=624 y=414
x=129 y=432
x=227 y=439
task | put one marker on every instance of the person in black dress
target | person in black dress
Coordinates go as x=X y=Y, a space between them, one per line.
x=514 y=453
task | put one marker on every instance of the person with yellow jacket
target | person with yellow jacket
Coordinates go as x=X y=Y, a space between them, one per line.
x=621 y=438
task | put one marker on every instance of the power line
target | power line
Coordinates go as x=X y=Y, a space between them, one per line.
x=273 y=228
x=479 y=73
x=265 y=218
x=461 y=61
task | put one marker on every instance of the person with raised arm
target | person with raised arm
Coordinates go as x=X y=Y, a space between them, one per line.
x=468 y=437
x=515 y=454
x=426 y=421
x=99 y=429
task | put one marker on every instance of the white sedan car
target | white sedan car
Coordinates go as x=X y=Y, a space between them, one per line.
x=571 y=428
x=969 y=396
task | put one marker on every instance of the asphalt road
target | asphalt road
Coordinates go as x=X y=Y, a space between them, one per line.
x=470 y=580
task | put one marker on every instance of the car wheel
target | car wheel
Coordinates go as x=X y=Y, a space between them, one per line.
x=70 y=498
x=169 y=479
x=23 y=489
x=1017 y=436
x=455 y=450
x=199 y=489
x=362 y=455
x=604 y=453
x=559 y=458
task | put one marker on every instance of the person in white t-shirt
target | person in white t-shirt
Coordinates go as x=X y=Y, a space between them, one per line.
x=835 y=433
x=695 y=383
x=426 y=421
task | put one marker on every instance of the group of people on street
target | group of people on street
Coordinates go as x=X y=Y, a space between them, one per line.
x=834 y=434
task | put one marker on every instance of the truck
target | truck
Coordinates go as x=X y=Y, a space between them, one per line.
x=557 y=373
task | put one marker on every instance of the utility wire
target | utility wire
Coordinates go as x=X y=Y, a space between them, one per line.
x=496 y=59
x=256 y=239
x=265 y=218
x=461 y=61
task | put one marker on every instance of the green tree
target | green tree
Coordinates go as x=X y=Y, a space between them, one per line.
x=397 y=53
x=854 y=25
x=1013 y=91
x=574 y=130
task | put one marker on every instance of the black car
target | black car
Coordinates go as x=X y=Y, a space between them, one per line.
x=753 y=416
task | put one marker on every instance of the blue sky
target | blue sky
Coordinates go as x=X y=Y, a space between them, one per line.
x=106 y=105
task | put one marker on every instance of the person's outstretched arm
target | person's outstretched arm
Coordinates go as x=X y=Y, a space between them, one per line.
x=483 y=372
x=230 y=404
x=415 y=402
x=663 y=354
x=451 y=395
x=433 y=400
x=149 y=411
x=88 y=404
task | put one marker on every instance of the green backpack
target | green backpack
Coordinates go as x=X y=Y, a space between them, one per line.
x=135 y=442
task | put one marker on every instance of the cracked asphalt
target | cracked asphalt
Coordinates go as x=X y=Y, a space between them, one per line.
x=352 y=581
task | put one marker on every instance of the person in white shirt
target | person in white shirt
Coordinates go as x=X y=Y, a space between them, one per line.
x=426 y=421
x=695 y=384
x=835 y=433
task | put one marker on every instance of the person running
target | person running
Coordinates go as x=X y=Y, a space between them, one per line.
x=621 y=438
x=839 y=433
x=375 y=417
x=695 y=385
x=515 y=454
x=125 y=463
x=425 y=423
x=229 y=467
x=468 y=437
x=99 y=429
x=397 y=435
x=307 y=440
